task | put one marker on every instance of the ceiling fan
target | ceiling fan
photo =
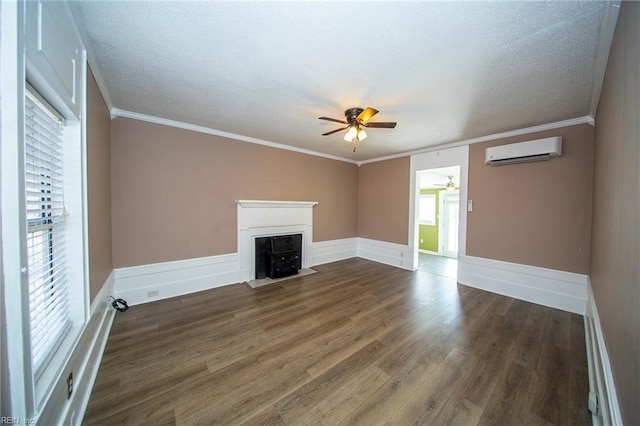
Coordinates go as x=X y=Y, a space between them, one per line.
x=449 y=185
x=356 y=119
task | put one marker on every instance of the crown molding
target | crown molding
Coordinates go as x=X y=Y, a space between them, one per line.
x=116 y=112
x=97 y=74
x=510 y=133
x=607 y=31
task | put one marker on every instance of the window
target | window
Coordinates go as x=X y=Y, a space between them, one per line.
x=427 y=209
x=43 y=206
x=46 y=226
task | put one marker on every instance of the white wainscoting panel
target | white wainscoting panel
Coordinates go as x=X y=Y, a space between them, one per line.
x=557 y=289
x=392 y=254
x=146 y=283
x=600 y=374
x=84 y=362
x=334 y=250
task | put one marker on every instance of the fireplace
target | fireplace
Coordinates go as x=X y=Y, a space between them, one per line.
x=278 y=256
x=261 y=219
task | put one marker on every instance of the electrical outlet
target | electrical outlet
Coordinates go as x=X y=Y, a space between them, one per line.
x=69 y=385
x=593 y=403
x=153 y=293
x=421 y=240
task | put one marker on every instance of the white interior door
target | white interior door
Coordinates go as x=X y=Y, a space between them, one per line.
x=449 y=218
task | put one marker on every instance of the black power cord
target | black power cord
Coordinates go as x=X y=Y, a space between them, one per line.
x=119 y=305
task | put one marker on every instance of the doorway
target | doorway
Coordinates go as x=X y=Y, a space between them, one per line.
x=437 y=234
x=438 y=220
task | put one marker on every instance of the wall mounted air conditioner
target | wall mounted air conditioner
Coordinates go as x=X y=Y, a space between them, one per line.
x=523 y=152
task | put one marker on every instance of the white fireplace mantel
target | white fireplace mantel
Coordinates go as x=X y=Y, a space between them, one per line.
x=263 y=218
x=275 y=204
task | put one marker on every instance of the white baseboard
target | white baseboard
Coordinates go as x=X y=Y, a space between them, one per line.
x=557 y=289
x=176 y=278
x=398 y=255
x=84 y=362
x=600 y=374
x=334 y=250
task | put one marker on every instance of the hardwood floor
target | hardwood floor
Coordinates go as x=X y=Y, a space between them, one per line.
x=357 y=343
x=438 y=265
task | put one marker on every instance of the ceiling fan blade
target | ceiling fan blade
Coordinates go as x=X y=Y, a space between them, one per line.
x=381 y=125
x=366 y=115
x=334 y=131
x=333 y=119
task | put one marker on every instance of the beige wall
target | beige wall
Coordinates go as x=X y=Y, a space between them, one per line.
x=512 y=204
x=174 y=191
x=383 y=200
x=615 y=276
x=98 y=187
x=535 y=214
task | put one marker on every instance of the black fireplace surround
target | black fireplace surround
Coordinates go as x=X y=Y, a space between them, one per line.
x=278 y=256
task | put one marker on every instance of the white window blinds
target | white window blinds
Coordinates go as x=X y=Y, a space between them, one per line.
x=48 y=287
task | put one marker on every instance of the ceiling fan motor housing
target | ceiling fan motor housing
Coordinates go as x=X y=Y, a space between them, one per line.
x=352 y=114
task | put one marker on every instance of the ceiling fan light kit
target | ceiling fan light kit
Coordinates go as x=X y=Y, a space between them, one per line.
x=356 y=119
x=351 y=134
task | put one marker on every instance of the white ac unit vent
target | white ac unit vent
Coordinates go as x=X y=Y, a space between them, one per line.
x=524 y=152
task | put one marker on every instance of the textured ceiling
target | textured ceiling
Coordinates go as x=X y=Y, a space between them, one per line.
x=445 y=71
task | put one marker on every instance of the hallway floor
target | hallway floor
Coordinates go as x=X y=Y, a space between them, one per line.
x=438 y=265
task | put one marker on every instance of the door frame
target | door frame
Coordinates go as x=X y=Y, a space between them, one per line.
x=457 y=156
x=442 y=235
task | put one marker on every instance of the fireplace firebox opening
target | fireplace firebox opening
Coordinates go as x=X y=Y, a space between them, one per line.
x=278 y=256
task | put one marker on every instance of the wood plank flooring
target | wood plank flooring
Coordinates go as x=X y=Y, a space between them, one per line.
x=357 y=343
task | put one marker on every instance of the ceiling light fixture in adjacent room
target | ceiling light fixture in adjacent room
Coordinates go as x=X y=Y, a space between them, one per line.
x=450 y=185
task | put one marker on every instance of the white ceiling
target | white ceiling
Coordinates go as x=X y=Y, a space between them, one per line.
x=445 y=71
x=438 y=178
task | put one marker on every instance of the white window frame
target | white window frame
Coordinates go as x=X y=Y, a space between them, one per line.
x=430 y=221
x=74 y=177
x=28 y=396
x=19 y=387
